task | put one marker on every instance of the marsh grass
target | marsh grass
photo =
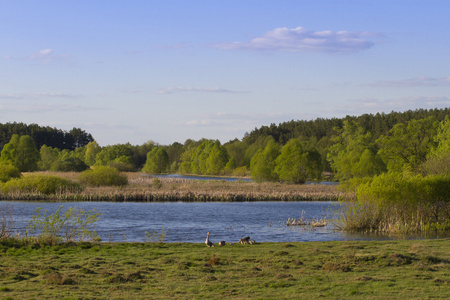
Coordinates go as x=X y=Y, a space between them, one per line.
x=399 y=269
x=146 y=189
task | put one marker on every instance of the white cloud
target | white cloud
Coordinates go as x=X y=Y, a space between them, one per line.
x=412 y=82
x=300 y=40
x=171 y=90
x=45 y=56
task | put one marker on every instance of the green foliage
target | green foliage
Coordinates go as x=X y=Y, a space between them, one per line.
x=208 y=157
x=353 y=154
x=123 y=164
x=408 y=144
x=40 y=183
x=157 y=161
x=404 y=199
x=442 y=139
x=92 y=149
x=217 y=159
x=103 y=176
x=48 y=156
x=21 y=152
x=262 y=165
x=155 y=237
x=111 y=153
x=71 y=164
x=72 y=225
x=296 y=165
x=8 y=172
x=52 y=137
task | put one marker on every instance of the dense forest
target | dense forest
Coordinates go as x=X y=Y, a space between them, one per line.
x=294 y=151
x=51 y=137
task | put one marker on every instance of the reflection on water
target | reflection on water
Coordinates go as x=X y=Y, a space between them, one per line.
x=189 y=222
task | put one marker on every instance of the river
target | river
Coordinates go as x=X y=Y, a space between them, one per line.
x=189 y=222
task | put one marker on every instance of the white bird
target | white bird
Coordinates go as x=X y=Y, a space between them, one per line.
x=208 y=242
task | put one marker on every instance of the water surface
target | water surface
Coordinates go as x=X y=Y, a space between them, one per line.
x=189 y=222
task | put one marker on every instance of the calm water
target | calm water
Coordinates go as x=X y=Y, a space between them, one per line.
x=231 y=179
x=189 y=222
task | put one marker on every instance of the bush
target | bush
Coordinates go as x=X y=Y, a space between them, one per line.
x=39 y=183
x=69 y=165
x=103 y=176
x=8 y=172
x=73 y=225
x=122 y=166
x=399 y=202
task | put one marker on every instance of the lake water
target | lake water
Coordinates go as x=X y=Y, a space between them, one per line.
x=230 y=179
x=189 y=222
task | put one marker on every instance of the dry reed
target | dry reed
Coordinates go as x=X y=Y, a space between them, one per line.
x=141 y=188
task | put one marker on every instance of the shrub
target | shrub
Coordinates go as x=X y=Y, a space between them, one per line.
x=399 y=202
x=73 y=225
x=122 y=166
x=40 y=183
x=103 y=176
x=8 y=172
x=69 y=165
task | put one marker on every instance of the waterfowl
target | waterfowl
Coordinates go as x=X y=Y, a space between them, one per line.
x=208 y=242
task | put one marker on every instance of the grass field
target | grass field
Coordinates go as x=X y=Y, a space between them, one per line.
x=399 y=269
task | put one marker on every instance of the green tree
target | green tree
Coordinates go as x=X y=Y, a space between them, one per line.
x=217 y=159
x=21 y=152
x=438 y=160
x=353 y=154
x=111 y=153
x=408 y=143
x=48 y=155
x=262 y=165
x=92 y=149
x=157 y=161
x=296 y=165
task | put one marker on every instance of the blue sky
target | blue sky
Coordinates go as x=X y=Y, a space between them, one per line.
x=167 y=71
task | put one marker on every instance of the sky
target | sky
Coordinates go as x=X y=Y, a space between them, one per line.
x=168 y=71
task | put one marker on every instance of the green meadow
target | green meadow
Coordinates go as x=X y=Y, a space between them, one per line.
x=395 y=269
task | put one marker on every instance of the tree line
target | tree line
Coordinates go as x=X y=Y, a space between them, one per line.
x=295 y=151
x=45 y=135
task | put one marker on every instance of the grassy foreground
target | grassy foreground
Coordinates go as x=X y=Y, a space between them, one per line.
x=400 y=269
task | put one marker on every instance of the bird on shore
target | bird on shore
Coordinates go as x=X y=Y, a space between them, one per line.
x=208 y=242
x=222 y=243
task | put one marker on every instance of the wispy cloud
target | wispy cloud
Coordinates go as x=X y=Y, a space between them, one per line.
x=38 y=95
x=45 y=56
x=244 y=120
x=301 y=40
x=36 y=108
x=412 y=82
x=171 y=90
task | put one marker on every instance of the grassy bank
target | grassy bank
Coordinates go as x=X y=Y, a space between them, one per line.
x=411 y=269
x=147 y=189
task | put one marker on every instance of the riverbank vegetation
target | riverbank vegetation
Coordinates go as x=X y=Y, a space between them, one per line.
x=399 y=269
x=141 y=187
x=395 y=166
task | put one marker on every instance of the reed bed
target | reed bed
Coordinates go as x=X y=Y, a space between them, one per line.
x=145 y=189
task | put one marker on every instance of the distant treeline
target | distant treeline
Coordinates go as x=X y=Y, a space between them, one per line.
x=52 y=137
x=378 y=124
x=270 y=152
